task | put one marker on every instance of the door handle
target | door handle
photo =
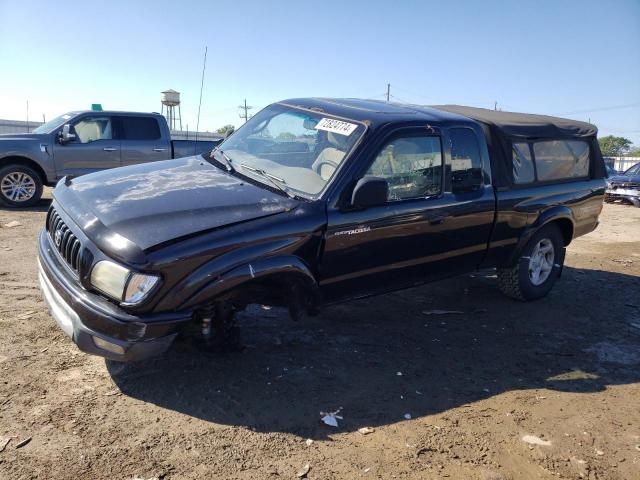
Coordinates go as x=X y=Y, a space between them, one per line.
x=109 y=149
x=159 y=149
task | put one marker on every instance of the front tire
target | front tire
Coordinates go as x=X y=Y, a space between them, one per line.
x=20 y=186
x=537 y=268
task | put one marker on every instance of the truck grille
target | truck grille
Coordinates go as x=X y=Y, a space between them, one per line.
x=64 y=240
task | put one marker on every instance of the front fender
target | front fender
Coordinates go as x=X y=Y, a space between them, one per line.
x=552 y=214
x=285 y=266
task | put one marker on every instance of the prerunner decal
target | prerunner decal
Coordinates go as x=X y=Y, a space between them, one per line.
x=336 y=126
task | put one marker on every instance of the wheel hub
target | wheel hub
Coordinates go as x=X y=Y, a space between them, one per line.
x=18 y=186
x=541 y=261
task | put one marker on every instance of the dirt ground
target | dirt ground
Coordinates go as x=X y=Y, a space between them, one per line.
x=447 y=396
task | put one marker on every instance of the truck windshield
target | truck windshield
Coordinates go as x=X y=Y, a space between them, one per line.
x=51 y=125
x=299 y=148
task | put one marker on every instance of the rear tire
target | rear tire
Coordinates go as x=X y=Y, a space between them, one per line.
x=537 y=268
x=20 y=186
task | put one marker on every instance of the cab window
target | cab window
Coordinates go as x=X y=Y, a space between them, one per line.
x=90 y=129
x=466 y=163
x=412 y=166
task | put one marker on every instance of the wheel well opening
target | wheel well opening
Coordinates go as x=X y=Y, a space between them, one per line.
x=275 y=290
x=566 y=228
x=24 y=162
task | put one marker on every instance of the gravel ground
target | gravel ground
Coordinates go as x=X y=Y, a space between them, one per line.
x=504 y=390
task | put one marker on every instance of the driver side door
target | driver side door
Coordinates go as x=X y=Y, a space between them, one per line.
x=401 y=242
x=93 y=149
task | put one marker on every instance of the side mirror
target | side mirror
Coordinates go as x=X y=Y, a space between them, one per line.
x=370 y=192
x=66 y=135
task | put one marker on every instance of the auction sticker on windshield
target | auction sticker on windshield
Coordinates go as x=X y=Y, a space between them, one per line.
x=336 y=126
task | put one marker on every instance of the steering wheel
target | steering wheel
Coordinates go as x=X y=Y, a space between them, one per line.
x=318 y=164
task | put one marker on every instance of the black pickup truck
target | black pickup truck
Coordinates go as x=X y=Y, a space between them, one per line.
x=311 y=202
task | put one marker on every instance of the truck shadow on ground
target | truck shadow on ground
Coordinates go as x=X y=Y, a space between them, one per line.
x=381 y=358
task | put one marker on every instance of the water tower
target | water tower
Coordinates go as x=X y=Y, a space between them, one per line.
x=171 y=100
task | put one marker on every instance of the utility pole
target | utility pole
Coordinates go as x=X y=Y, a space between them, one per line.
x=495 y=105
x=388 y=91
x=245 y=108
x=28 y=130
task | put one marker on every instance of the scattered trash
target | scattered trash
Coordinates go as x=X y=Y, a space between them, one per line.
x=407 y=416
x=22 y=443
x=418 y=392
x=486 y=390
x=4 y=441
x=366 y=469
x=331 y=418
x=309 y=442
x=303 y=471
x=399 y=374
x=12 y=224
x=366 y=430
x=599 y=453
x=442 y=312
x=533 y=440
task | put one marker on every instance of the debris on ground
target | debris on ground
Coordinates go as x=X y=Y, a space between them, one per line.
x=331 y=418
x=533 y=440
x=309 y=442
x=4 y=441
x=22 y=443
x=303 y=471
x=12 y=224
x=366 y=430
x=407 y=416
x=442 y=312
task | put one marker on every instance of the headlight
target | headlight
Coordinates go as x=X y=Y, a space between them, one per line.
x=120 y=283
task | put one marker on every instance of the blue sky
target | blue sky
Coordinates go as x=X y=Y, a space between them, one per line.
x=579 y=59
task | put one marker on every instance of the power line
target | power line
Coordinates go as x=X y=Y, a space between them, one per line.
x=601 y=109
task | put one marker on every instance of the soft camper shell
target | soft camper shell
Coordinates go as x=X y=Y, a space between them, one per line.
x=502 y=129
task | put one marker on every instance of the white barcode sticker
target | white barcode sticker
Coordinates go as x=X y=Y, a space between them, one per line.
x=336 y=126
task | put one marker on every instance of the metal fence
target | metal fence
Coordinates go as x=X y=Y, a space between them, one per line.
x=621 y=163
x=18 y=126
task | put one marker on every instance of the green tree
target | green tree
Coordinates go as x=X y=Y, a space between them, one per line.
x=612 y=146
x=225 y=129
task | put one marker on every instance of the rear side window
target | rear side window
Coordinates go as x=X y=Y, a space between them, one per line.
x=561 y=159
x=523 y=171
x=466 y=163
x=139 y=128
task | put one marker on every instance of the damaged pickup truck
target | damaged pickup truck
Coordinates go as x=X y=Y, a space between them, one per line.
x=312 y=202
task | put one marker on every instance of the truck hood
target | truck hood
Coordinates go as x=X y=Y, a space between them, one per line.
x=618 y=179
x=158 y=202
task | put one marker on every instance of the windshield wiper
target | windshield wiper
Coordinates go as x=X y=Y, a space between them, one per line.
x=277 y=182
x=227 y=161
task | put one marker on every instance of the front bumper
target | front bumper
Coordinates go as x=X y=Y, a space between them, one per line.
x=96 y=325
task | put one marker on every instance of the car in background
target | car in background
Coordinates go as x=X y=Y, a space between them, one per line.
x=78 y=143
x=610 y=170
x=625 y=187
